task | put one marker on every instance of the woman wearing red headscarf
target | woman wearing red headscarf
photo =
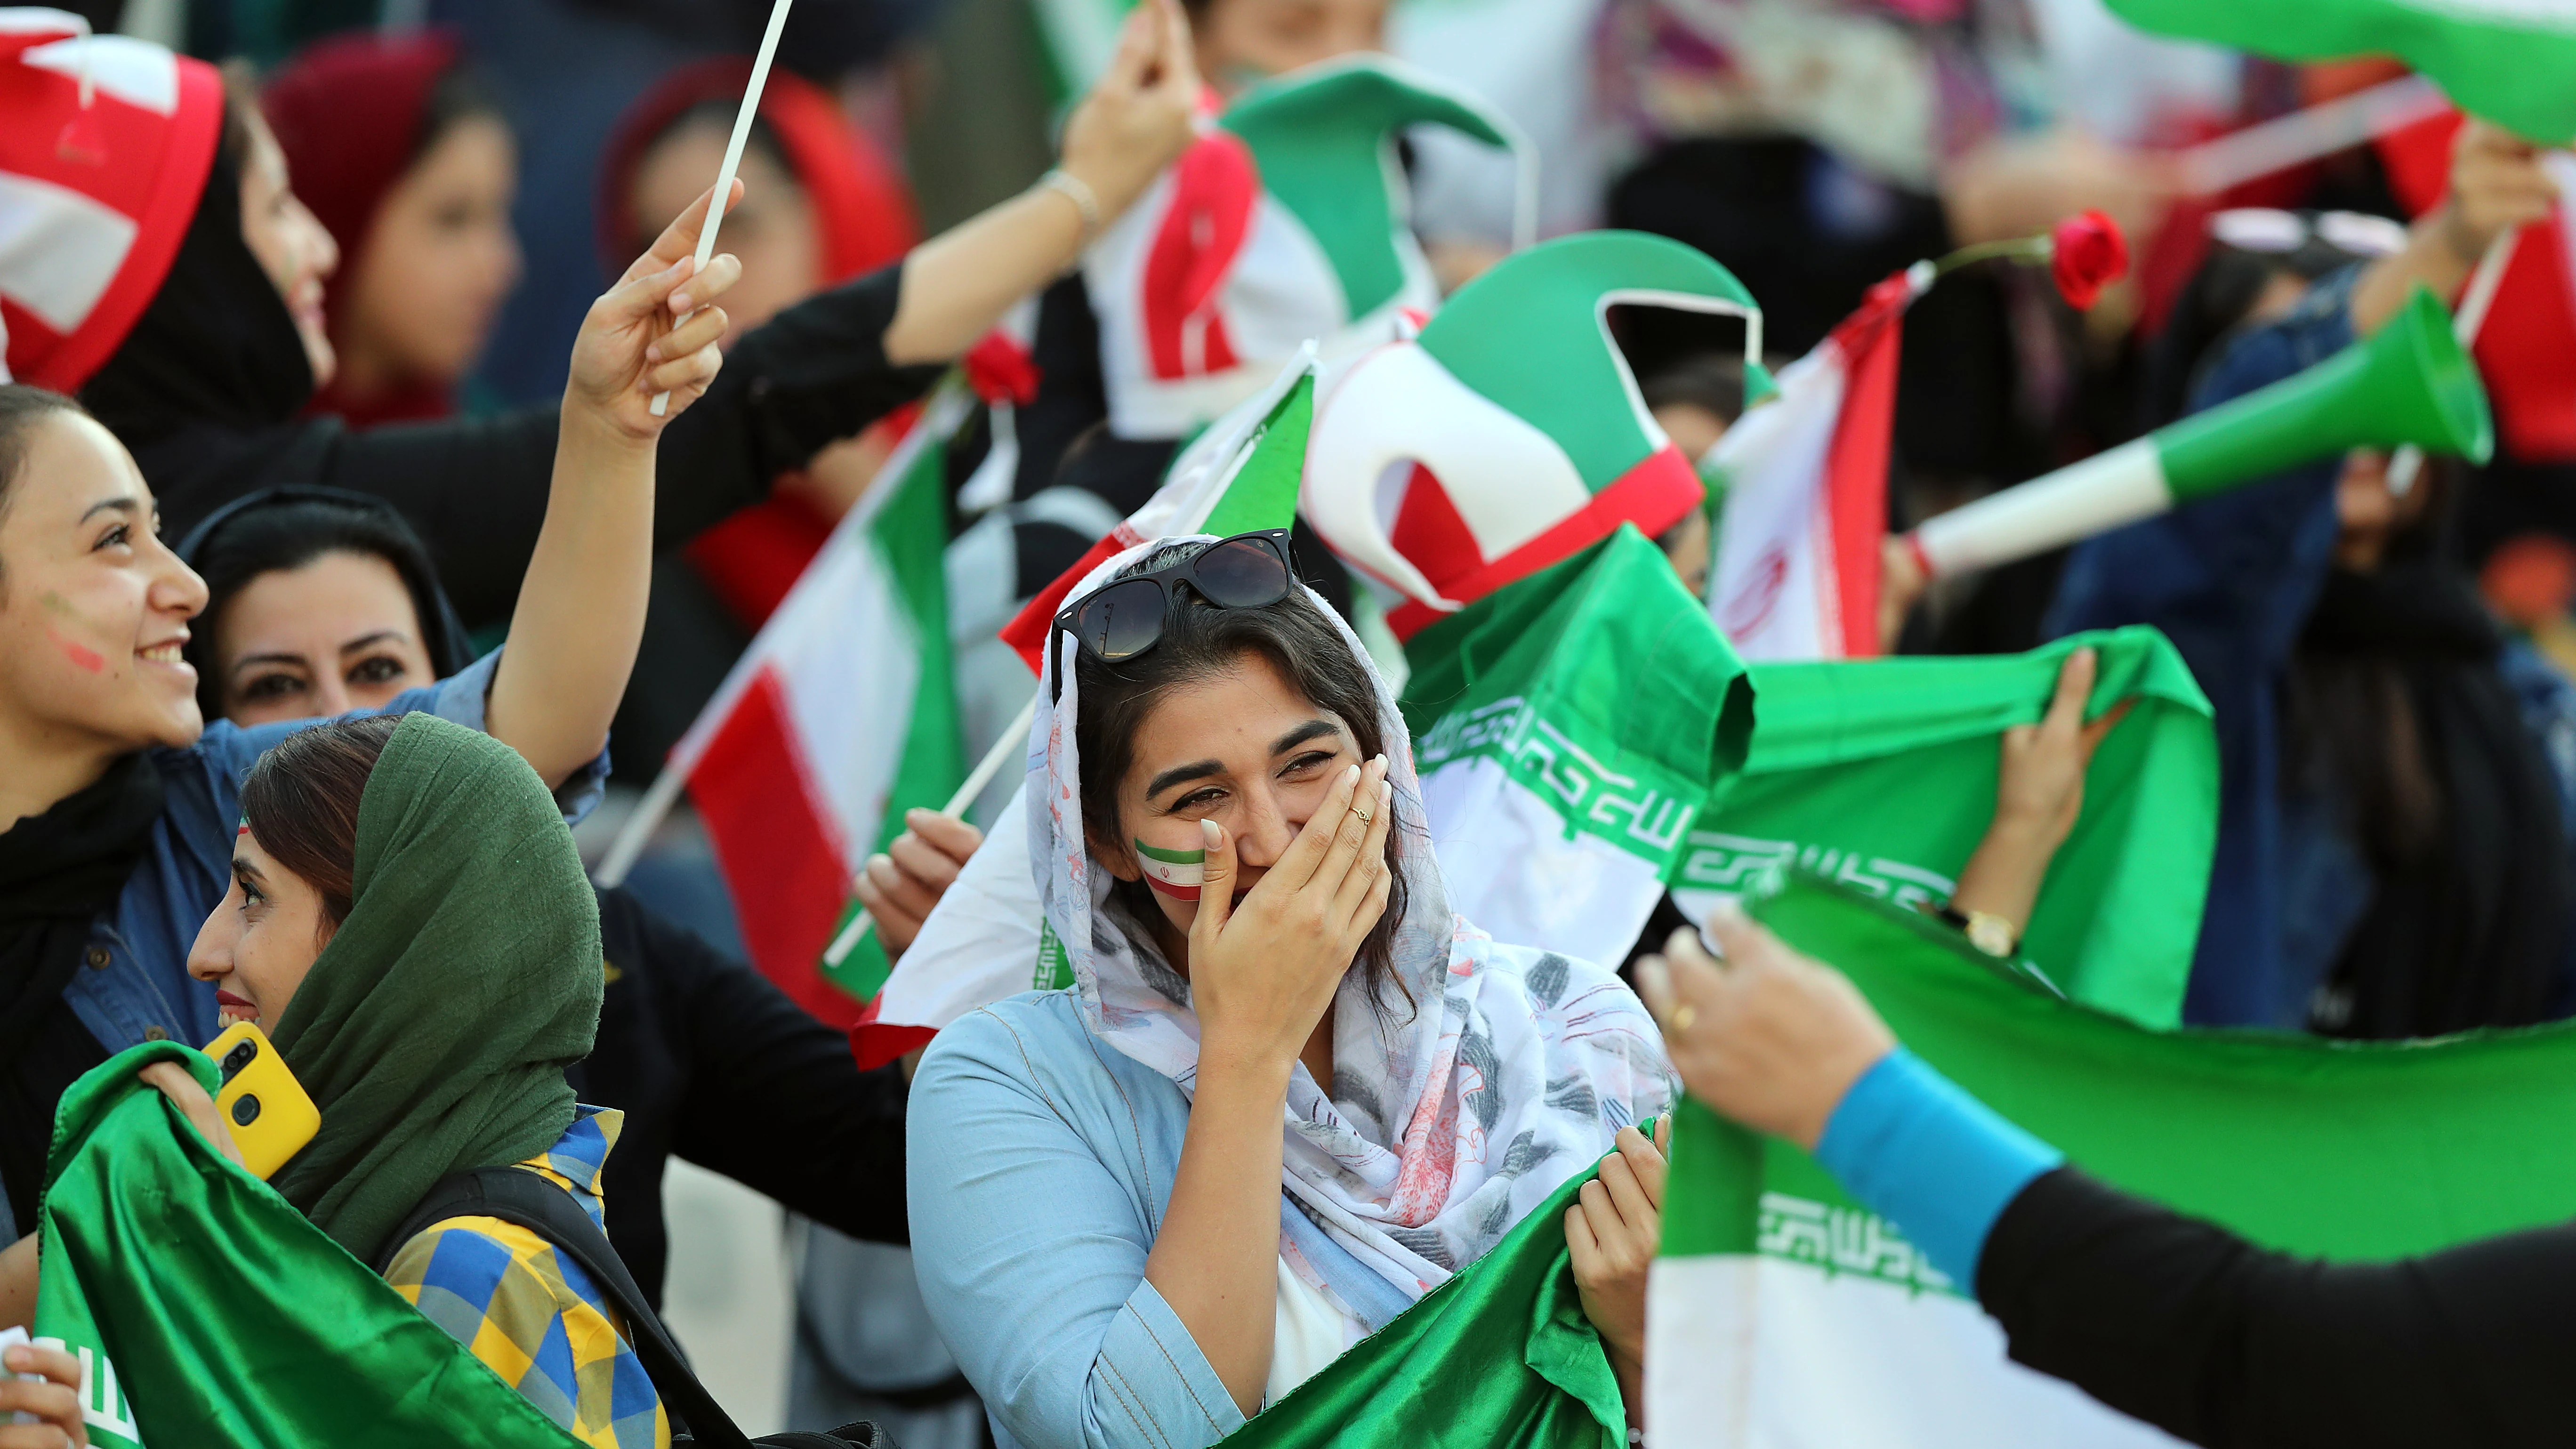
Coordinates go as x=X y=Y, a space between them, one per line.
x=821 y=205
x=411 y=168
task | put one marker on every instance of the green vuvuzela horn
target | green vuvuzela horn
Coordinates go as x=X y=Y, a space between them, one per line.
x=2410 y=383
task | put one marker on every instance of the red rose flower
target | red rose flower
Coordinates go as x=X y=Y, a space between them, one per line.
x=2086 y=254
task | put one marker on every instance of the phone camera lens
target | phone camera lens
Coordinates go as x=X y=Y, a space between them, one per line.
x=239 y=1057
x=245 y=1109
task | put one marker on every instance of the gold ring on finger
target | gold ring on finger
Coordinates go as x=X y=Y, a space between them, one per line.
x=1363 y=814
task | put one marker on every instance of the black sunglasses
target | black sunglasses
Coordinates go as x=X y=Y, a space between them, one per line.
x=1126 y=618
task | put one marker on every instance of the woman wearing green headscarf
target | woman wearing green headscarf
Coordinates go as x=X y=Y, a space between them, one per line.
x=409 y=923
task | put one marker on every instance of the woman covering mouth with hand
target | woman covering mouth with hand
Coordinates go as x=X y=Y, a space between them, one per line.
x=1289 y=1091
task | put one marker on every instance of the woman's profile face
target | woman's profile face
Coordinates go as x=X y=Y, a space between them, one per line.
x=773 y=229
x=292 y=245
x=439 y=261
x=1244 y=748
x=262 y=940
x=338 y=634
x=94 y=608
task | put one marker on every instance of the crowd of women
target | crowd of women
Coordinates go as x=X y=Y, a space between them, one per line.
x=264 y=758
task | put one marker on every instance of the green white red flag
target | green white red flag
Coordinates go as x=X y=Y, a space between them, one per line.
x=1782 y=1315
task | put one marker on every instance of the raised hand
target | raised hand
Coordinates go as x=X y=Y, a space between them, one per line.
x=1137 y=119
x=1263 y=972
x=901 y=886
x=2497 y=183
x=655 y=331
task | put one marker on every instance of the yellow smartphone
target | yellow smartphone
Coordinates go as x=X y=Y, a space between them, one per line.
x=259 y=1099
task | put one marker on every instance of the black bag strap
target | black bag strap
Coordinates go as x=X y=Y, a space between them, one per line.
x=515 y=1195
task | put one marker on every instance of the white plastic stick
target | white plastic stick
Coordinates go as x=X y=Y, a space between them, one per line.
x=1014 y=737
x=2476 y=300
x=2304 y=135
x=733 y=154
x=629 y=844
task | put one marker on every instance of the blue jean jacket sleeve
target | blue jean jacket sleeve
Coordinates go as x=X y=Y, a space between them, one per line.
x=1031 y=1254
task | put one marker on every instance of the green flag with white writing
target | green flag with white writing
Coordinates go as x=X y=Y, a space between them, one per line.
x=1782 y=1315
x=207 y=1312
x=1881 y=773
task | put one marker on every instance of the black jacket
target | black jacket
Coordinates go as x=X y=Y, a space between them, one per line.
x=207 y=389
x=712 y=1063
x=2219 y=1342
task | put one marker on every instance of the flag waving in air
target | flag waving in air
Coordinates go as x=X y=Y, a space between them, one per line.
x=840 y=716
x=1781 y=1315
x=1806 y=493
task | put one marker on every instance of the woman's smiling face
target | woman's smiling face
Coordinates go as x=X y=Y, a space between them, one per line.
x=262 y=940
x=1242 y=747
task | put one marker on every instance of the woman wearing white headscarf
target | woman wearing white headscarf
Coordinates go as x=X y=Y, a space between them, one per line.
x=1287 y=1091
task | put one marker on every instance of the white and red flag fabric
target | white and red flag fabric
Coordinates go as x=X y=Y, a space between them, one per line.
x=105 y=143
x=1805 y=508
x=840 y=716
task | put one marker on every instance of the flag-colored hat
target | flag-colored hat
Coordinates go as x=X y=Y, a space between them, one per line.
x=1511 y=433
x=105 y=144
x=1287 y=221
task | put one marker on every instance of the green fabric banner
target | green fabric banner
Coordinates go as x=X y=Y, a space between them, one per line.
x=1498 y=1357
x=2511 y=61
x=1773 y=1281
x=208 y=1313
x=1568 y=729
x=1881 y=773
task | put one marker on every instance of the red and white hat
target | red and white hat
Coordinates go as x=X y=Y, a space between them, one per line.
x=105 y=144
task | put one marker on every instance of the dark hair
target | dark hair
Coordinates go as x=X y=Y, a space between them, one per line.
x=457 y=96
x=1200 y=640
x=301 y=803
x=1713 y=382
x=21 y=408
x=287 y=528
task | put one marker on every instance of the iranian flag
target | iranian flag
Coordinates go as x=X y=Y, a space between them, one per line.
x=1782 y=1315
x=1805 y=475
x=984 y=942
x=2510 y=61
x=1569 y=728
x=207 y=1313
x=839 y=717
x=1881 y=774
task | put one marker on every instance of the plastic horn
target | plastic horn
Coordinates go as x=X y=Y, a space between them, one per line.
x=2411 y=383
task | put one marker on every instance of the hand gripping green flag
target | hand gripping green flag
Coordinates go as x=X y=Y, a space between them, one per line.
x=1498 y=1357
x=207 y=1312
x=2511 y=61
x=1782 y=1315
x=1881 y=773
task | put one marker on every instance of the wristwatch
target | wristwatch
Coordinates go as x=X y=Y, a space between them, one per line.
x=1985 y=930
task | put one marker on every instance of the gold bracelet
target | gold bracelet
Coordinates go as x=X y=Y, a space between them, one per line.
x=1078 y=191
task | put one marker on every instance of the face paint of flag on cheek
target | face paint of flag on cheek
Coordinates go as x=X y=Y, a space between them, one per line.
x=1176 y=873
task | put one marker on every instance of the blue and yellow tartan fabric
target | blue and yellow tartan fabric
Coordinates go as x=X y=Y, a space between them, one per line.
x=537 y=1320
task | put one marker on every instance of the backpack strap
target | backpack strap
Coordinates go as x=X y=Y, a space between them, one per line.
x=515 y=1195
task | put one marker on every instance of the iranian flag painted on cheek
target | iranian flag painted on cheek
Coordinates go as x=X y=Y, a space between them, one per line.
x=1175 y=873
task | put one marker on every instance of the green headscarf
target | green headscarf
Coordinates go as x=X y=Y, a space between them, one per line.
x=434 y=1030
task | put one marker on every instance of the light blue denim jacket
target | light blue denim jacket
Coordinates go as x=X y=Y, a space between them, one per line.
x=1039 y=1160
x=134 y=986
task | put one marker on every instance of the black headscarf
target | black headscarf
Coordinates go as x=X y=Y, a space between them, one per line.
x=217 y=344
x=2399 y=699
x=59 y=872
x=290 y=526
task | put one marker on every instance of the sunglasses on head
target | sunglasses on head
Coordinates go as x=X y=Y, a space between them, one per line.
x=2271 y=231
x=1124 y=619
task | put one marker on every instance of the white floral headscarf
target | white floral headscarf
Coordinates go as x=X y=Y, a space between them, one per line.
x=1446 y=1125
